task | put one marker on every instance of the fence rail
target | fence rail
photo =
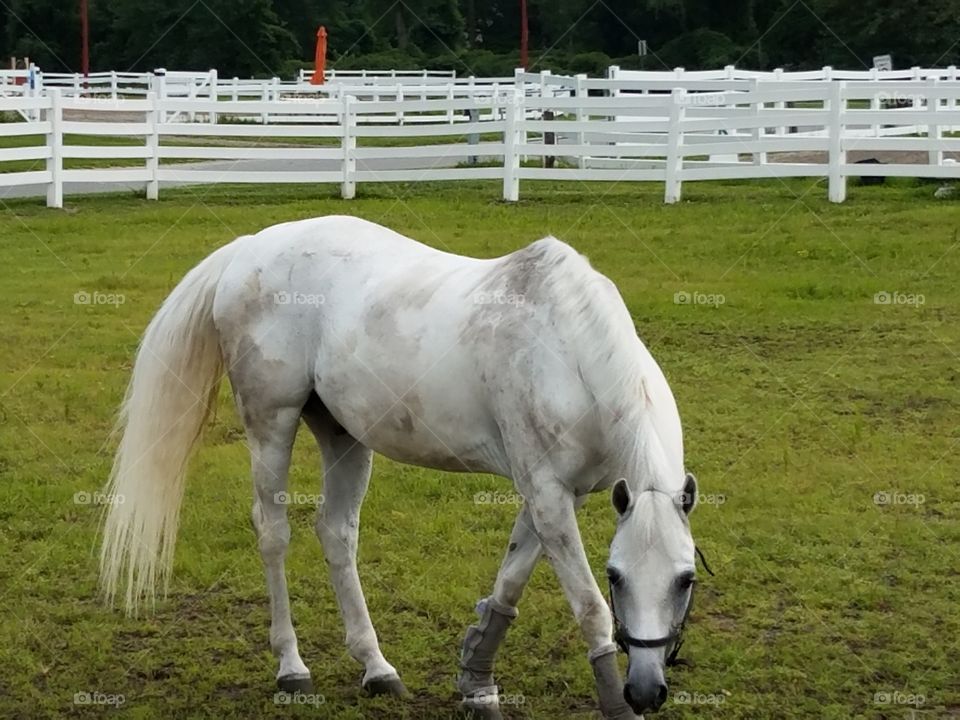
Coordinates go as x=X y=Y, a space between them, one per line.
x=537 y=127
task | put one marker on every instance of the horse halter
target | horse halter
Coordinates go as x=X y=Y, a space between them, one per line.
x=673 y=640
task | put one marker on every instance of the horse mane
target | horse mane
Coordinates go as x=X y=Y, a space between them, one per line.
x=611 y=361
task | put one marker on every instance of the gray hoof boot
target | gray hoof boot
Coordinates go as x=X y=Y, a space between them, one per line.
x=480 y=649
x=610 y=686
x=481 y=707
x=390 y=685
x=294 y=684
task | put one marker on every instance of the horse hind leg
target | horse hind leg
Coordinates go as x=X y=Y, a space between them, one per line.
x=347 y=466
x=271 y=423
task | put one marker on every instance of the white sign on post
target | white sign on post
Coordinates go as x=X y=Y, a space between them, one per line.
x=641 y=47
x=883 y=63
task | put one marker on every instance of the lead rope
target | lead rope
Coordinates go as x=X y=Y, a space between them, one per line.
x=703 y=560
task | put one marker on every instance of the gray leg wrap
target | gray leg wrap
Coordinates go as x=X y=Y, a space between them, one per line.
x=480 y=648
x=609 y=684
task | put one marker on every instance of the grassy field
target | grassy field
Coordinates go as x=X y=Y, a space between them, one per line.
x=814 y=352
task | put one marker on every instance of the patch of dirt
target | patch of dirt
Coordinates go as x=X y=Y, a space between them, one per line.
x=887 y=157
x=103 y=116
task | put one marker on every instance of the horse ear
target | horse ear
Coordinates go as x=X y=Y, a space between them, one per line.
x=688 y=501
x=620 y=496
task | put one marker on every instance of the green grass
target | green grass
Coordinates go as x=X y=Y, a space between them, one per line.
x=802 y=399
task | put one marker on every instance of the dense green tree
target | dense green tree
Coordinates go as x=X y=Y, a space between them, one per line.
x=243 y=37
x=45 y=31
x=269 y=36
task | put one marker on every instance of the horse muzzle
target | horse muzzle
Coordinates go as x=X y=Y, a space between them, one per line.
x=645 y=689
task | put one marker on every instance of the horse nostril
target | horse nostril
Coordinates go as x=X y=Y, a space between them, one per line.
x=661 y=696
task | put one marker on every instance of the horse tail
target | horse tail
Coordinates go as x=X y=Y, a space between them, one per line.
x=171 y=394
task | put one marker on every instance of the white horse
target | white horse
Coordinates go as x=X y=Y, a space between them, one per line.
x=527 y=366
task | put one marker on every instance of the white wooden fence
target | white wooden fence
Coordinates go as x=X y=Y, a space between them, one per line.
x=572 y=128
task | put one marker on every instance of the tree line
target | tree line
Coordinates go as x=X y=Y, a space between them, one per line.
x=276 y=37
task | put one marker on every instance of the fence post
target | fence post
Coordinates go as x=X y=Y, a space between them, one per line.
x=348 y=124
x=153 y=147
x=160 y=76
x=579 y=80
x=674 y=164
x=55 y=146
x=756 y=133
x=511 y=157
x=934 y=130
x=951 y=103
x=917 y=102
x=837 y=191
x=264 y=97
x=875 y=101
x=214 y=94
x=520 y=91
x=780 y=104
x=544 y=87
x=113 y=84
x=612 y=73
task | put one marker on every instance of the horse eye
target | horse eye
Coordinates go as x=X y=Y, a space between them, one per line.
x=613 y=576
x=684 y=582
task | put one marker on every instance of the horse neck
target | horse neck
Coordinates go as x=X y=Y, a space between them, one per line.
x=643 y=459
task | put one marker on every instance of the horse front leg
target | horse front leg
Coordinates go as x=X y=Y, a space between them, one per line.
x=554 y=519
x=480 y=645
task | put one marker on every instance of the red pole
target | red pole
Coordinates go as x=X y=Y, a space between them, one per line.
x=320 y=58
x=523 y=34
x=84 y=39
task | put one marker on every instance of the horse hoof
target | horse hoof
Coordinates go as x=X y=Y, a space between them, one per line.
x=386 y=686
x=473 y=709
x=294 y=684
